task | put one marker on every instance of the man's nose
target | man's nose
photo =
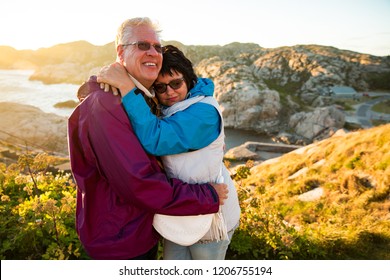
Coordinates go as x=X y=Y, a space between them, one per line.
x=152 y=51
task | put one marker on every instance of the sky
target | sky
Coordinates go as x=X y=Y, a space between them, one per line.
x=358 y=25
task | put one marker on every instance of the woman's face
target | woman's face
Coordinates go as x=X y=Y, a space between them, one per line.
x=170 y=89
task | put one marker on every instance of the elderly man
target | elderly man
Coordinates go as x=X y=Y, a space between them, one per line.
x=120 y=187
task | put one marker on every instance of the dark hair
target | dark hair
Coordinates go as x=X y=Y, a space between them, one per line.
x=175 y=60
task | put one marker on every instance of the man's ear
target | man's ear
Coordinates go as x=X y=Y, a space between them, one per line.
x=120 y=53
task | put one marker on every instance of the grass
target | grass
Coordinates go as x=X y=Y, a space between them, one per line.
x=350 y=220
x=383 y=107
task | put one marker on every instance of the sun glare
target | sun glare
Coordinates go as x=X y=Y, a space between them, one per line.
x=29 y=24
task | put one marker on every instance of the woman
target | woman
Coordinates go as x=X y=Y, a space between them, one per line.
x=189 y=137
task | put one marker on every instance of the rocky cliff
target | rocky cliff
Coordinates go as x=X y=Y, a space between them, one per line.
x=28 y=126
x=265 y=90
x=282 y=89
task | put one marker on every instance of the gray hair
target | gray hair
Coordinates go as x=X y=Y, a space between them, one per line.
x=125 y=31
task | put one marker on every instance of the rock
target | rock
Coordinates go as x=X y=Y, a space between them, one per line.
x=64 y=73
x=66 y=104
x=29 y=126
x=246 y=102
x=304 y=170
x=319 y=124
x=241 y=153
x=255 y=151
x=312 y=195
x=341 y=132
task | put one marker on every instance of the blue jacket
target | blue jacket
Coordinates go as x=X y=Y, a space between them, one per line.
x=191 y=129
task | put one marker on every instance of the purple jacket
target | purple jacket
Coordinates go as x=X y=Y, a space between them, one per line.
x=120 y=187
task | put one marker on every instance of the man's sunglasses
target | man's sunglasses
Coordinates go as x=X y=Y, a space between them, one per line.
x=145 y=46
x=174 y=84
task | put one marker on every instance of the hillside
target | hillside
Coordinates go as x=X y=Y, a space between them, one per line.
x=328 y=200
x=281 y=92
x=64 y=63
x=301 y=59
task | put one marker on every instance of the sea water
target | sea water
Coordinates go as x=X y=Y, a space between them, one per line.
x=15 y=86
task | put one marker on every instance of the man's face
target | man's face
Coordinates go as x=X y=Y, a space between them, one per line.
x=144 y=65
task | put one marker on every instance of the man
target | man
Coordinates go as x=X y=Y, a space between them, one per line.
x=120 y=187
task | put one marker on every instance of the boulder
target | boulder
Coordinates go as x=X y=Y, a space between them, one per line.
x=241 y=153
x=319 y=124
x=29 y=126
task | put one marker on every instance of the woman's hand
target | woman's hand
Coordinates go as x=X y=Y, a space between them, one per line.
x=116 y=76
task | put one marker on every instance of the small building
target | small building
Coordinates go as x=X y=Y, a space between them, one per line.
x=343 y=92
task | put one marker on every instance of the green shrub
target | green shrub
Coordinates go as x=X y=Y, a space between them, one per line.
x=37 y=211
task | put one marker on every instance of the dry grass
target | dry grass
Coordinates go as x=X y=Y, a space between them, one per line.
x=353 y=214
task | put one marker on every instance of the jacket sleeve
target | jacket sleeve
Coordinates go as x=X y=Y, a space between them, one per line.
x=135 y=176
x=187 y=130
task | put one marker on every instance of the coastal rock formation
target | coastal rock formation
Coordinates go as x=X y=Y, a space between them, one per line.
x=319 y=124
x=29 y=126
x=64 y=73
x=245 y=103
x=275 y=90
x=269 y=91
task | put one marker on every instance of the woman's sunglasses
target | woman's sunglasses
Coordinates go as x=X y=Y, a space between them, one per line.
x=174 y=84
x=145 y=46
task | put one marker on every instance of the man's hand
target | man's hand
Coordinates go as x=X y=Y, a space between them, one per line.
x=222 y=192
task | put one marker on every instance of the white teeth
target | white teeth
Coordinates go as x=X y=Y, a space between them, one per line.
x=150 y=64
